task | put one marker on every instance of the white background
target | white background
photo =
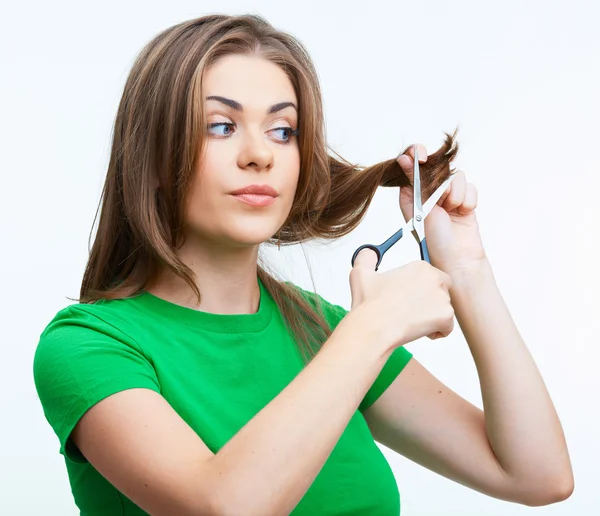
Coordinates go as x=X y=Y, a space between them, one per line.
x=520 y=79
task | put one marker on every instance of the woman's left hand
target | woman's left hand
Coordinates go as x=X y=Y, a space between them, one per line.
x=451 y=228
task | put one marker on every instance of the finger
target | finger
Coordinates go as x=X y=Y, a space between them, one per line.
x=406 y=160
x=457 y=194
x=470 y=202
x=449 y=330
x=367 y=259
x=447 y=279
x=406 y=164
x=422 y=152
x=445 y=195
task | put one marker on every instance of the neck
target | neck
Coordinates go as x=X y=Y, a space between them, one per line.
x=227 y=280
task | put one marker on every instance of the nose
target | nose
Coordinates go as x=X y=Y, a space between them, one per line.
x=255 y=151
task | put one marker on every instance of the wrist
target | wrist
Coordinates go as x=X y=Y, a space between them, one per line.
x=471 y=283
x=362 y=324
x=469 y=272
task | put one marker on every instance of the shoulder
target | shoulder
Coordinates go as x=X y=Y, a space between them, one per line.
x=83 y=332
x=85 y=319
x=83 y=356
x=115 y=318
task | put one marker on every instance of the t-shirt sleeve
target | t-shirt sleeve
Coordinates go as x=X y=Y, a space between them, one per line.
x=80 y=360
x=392 y=368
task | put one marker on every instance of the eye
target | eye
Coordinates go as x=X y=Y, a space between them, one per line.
x=224 y=129
x=226 y=126
x=286 y=133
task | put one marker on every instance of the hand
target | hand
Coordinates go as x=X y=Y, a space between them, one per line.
x=405 y=303
x=451 y=227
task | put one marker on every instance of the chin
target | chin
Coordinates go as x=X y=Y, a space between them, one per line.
x=251 y=234
x=239 y=231
x=249 y=239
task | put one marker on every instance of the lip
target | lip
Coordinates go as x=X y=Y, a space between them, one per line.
x=256 y=200
x=257 y=190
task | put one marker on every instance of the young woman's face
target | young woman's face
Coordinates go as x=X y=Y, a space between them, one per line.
x=250 y=142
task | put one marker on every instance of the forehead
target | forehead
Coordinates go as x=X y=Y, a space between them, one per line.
x=250 y=80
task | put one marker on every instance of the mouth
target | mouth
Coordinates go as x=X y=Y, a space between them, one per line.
x=255 y=199
x=257 y=190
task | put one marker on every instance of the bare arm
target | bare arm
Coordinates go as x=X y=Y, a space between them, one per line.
x=142 y=446
x=514 y=451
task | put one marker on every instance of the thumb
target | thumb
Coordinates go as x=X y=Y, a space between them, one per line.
x=364 y=266
x=366 y=259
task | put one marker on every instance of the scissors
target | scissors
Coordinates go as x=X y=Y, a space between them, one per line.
x=416 y=225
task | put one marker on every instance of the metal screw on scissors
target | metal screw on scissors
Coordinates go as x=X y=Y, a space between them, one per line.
x=416 y=225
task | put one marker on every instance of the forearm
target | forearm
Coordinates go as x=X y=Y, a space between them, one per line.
x=522 y=425
x=268 y=466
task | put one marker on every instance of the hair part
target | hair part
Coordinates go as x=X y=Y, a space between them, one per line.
x=158 y=140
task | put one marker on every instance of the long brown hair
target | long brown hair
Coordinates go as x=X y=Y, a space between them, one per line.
x=158 y=137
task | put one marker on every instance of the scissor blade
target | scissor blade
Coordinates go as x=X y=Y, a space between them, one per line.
x=418 y=203
x=430 y=203
x=418 y=217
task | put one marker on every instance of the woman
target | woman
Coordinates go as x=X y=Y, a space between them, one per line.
x=189 y=380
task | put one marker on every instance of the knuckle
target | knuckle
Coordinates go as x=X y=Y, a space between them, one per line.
x=448 y=327
x=419 y=264
x=448 y=279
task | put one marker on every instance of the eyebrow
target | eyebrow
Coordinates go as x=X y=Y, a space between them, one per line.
x=238 y=107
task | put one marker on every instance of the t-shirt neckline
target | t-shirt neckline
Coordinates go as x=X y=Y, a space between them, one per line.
x=218 y=323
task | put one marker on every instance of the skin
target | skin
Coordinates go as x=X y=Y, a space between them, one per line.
x=223 y=233
x=514 y=451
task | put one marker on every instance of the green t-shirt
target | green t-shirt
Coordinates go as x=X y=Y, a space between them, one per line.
x=217 y=371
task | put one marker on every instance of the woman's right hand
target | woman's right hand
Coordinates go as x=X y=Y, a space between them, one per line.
x=405 y=303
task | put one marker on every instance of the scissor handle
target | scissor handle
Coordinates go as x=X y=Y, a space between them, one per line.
x=380 y=249
x=424 y=250
x=368 y=246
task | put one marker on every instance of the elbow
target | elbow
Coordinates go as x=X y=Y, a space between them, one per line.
x=222 y=504
x=218 y=507
x=228 y=501
x=548 y=492
x=231 y=509
x=234 y=495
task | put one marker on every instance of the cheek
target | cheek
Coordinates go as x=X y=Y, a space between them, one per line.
x=205 y=189
x=293 y=168
x=213 y=163
x=211 y=180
